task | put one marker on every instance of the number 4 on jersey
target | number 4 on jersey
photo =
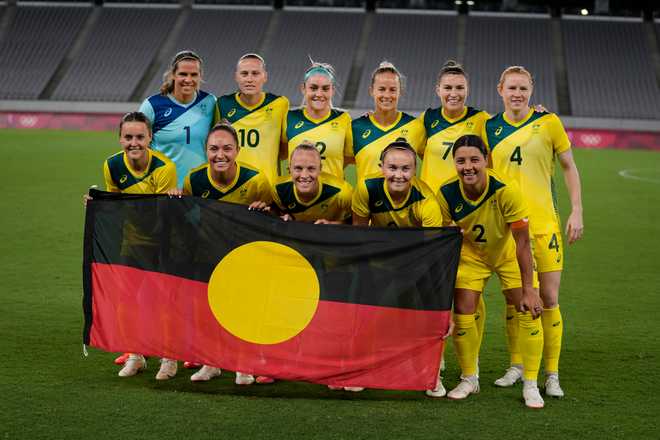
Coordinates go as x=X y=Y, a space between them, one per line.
x=516 y=156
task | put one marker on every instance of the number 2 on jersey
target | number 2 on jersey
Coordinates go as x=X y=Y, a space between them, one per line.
x=481 y=231
x=321 y=147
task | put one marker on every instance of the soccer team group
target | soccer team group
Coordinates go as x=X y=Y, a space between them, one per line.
x=490 y=175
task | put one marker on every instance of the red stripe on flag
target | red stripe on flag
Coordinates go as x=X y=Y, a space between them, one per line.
x=345 y=344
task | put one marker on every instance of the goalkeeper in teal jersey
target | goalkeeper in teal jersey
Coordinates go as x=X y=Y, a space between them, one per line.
x=181 y=115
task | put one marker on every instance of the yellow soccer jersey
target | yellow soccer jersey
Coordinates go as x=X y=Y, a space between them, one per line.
x=485 y=222
x=419 y=209
x=259 y=129
x=441 y=133
x=525 y=152
x=248 y=186
x=333 y=201
x=159 y=177
x=331 y=135
x=370 y=139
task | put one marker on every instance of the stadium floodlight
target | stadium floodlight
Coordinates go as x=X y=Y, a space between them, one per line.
x=470 y=3
x=458 y=2
x=584 y=11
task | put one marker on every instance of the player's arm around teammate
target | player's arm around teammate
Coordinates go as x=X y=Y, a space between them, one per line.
x=181 y=114
x=493 y=216
x=137 y=169
x=377 y=129
x=318 y=121
x=524 y=144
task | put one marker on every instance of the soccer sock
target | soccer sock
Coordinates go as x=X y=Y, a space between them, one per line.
x=553 y=329
x=480 y=318
x=530 y=340
x=466 y=343
x=511 y=319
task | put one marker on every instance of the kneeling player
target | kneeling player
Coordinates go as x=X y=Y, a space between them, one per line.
x=395 y=197
x=222 y=178
x=493 y=216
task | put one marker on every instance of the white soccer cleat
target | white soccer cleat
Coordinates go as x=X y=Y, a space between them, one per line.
x=532 y=395
x=469 y=385
x=244 y=379
x=552 y=388
x=513 y=374
x=133 y=365
x=167 y=369
x=438 y=391
x=205 y=374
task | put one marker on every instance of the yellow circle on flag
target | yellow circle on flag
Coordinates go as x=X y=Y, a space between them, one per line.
x=264 y=292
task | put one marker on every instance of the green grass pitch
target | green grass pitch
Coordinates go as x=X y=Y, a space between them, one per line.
x=610 y=300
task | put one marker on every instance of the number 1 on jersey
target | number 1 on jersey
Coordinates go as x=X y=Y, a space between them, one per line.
x=187 y=129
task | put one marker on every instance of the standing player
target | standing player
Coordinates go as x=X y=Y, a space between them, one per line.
x=493 y=216
x=257 y=116
x=523 y=145
x=181 y=115
x=376 y=130
x=222 y=178
x=139 y=170
x=443 y=125
x=395 y=197
x=317 y=121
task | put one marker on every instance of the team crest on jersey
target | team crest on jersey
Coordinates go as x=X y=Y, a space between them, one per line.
x=243 y=192
x=366 y=134
x=334 y=125
x=205 y=194
x=435 y=123
x=123 y=178
x=231 y=113
x=536 y=128
x=498 y=131
x=469 y=125
x=203 y=107
x=167 y=112
x=458 y=208
x=404 y=132
x=269 y=112
x=299 y=124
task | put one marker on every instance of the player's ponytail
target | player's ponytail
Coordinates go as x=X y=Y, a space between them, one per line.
x=168 y=77
x=451 y=67
x=387 y=67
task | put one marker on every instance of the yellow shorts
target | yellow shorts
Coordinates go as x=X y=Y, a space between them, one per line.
x=473 y=273
x=548 y=251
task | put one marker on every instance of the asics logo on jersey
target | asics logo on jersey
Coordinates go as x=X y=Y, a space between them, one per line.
x=534 y=333
x=123 y=178
x=366 y=134
x=509 y=318
x=205 y=194
x=498 y=131
x=167 y=112
x=435 y=123
x=556 y=324
x=461 y=333
x=299 y=124
x=379 y=203
x=231 y=113
x=458 y=208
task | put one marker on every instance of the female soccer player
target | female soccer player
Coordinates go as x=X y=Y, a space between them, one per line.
x=376 y=130
x=493 y=216
x=181 y=114
x=395 y=197
x=317 y=121
x=257 y=116
x=523 y=145
x=138 y=169
x=223 y=178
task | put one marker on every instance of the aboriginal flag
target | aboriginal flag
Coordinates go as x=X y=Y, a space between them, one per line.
x=211 y=282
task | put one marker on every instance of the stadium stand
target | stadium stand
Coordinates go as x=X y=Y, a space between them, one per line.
x=609 y=69
x=34 y=45
x=329 y=37
x=418 y=46
x=492 y=44
x=117 y=54
x=220 y=37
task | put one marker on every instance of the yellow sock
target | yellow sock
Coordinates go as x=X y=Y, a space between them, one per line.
x=480 y=319
x=530 y=340
x=553 y=329
x=511 y=317
x=466 y=343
